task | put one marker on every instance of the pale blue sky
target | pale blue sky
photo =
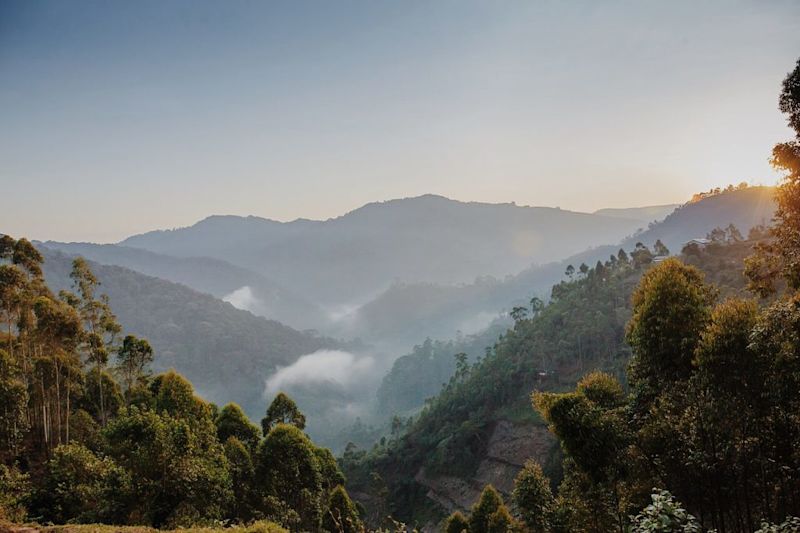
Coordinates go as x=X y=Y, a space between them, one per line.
x=120 y=117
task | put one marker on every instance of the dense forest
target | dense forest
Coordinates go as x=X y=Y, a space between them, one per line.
x=88 y=434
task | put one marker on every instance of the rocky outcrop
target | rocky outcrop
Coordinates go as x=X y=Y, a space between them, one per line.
x=508 y=448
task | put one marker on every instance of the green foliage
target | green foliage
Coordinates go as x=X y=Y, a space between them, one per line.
x=13 y=403
x=232 y=422
x=85 y=430
x=282 y=410
x=420 y=374
x=332 y=475
x=533 y=498
x=82 y=487
x=790 y=525
x=178 y=468
x=133 y=359
x=456 y=523
x=670 y=308
x=242 y=472
x=288 y=470
x=15 y=494
x=581 y=328
x=112 y=398
x=340 y=514
x=154 y=456
x=174 y=394
x=487 y=513
x=664 y=515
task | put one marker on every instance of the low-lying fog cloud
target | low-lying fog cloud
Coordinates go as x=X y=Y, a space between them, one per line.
x=321 y=367
x=243 y=298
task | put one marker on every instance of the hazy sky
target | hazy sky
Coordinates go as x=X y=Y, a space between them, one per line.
x=120 y=117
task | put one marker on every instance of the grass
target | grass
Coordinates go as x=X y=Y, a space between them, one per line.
x=256 y=527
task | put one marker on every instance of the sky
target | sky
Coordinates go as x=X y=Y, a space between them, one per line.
x=121 y=117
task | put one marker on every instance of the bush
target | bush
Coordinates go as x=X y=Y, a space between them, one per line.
x=15 y=490
x=665 y=515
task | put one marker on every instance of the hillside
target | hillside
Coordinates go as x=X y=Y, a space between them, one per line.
x=646 y=214
x=480 y=428
x=226 y=352
x=440 y=310
x=744 y=208
x=424 y=239
x=219 y=278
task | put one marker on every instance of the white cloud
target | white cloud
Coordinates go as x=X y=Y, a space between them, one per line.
x=477 y=323
x=323 y=366
x=243 y=298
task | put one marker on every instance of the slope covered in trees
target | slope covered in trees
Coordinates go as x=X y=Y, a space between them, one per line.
x=549 y=348
x=439 y=310
x=213 y=276
x=88 y=434
x=685 y=386
x=226 y=352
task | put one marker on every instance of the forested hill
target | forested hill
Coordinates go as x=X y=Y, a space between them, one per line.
x=439 y=310
x=367 y=249
x=648 y=213
x=744 y=208
x=213 y=276
x=480 y=428
x=226 y=352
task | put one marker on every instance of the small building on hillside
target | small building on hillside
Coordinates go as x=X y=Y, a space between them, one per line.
x=700 y=243
x=695 y=246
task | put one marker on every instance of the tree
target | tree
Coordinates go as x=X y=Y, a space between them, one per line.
x=12 y=284
x=533 y=498
x=484 y=511
x=595 y=436
x=341 y=515
x=79 y=486
x=242 y=471
x=519 y=313
x=501 y=521
x=174 y=394
x=288 y=471
x=13 y=404
x=733 y=234
x=90 y=401
x=178 y=468
x=660 y=249
x=570 y=272
x=664 y=515
x=456 y=523
x=671 y=306
x=641 y=255
x=783 y=256
x=133 y=359
x=232 y=422
x=328 y=468
x=282 y=410
x=15 y=494
x=536 y=306
x=101 y=324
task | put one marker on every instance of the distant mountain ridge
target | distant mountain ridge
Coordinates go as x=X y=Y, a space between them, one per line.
x=205 y=274
x=439 y=311
x=423 y=239
x=227 y=353
x=649 y=213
